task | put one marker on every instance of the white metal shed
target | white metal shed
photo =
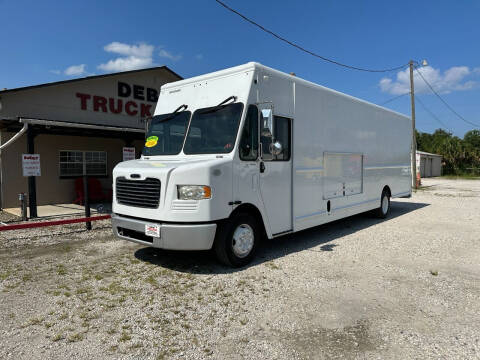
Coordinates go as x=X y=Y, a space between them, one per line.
x=430 y=164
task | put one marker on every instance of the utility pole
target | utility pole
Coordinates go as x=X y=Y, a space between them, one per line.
x=414 y=140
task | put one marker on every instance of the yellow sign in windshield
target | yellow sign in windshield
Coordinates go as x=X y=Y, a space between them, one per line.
x=151 y=141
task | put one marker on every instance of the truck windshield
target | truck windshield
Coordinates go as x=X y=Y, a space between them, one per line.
x=213 y=130
x=166 y=133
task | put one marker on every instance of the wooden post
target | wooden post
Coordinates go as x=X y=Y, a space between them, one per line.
x=86 y=200
x=414 y=139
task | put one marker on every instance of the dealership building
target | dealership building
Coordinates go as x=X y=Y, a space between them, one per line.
x=87 y=124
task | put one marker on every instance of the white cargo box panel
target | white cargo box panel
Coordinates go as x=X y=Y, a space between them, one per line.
x=343 y=174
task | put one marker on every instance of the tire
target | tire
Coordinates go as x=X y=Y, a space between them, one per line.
x=236 y=240
x=384 y=209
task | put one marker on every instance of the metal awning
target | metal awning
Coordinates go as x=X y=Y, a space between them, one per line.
x=56 y=127
x=31 y=121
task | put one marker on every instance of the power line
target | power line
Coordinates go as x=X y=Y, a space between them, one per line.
x=394 y=98
x=305 y=50
x=446 y=104
x=432 y=114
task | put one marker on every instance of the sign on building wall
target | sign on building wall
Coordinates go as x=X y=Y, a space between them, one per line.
x=31 y=165
x=133 y=100
x=128 y=153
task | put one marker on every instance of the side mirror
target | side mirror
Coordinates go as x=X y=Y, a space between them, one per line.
x=276 y=148
x=267 y=122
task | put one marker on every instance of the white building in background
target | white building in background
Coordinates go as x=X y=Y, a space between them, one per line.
x=428 y=164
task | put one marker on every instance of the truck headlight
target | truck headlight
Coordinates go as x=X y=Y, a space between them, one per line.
x=194 y=192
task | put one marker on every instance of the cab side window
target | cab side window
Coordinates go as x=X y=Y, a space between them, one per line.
x=249 y=140
x=282 y=132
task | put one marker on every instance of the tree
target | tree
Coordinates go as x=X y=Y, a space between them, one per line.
x=459 y=155
x=472 y=138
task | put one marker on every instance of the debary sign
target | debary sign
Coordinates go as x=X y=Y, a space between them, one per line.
x=132 y=100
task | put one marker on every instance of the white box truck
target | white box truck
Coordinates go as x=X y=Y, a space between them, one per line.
x=248 y=152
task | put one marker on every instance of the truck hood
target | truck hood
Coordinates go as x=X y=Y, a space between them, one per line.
x=159 y=168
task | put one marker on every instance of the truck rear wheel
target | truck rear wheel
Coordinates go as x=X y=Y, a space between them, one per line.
x=236 y=240
x=384 y=209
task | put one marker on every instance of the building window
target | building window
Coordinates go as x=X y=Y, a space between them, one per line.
x=71 y=163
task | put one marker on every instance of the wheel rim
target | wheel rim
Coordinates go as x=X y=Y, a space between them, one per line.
x=242 y=241
x=385 y=204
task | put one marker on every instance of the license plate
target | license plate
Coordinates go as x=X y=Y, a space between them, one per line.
x=152 y=230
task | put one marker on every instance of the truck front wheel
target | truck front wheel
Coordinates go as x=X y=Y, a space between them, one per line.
x=236 y=240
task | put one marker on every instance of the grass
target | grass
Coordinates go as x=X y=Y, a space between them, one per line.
x=421 y=188
x=48 y=325
x=75 y=337
x=63 y=286
x=272 y=265
x=26 y=277
x=152 y=281
x=34 y=321
x=461 y=176
x=5 y=275
x=162 y=355
x=115 y=288
x=61 y=269
x=125 y=336
x=58 y=337
x=83 y=290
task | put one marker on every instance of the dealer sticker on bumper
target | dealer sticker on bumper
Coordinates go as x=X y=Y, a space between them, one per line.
x=152 y=230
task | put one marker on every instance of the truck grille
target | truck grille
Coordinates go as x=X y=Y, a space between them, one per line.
x=138 y=193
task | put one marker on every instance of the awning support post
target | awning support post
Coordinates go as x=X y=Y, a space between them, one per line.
x=32 y=186
x=86 y=196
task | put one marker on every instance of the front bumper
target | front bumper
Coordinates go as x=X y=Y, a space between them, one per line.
x=172 y=236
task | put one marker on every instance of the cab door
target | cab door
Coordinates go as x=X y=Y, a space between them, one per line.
x=246 y=167
x=276 y=169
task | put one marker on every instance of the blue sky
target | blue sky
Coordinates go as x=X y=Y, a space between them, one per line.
x=46 y=41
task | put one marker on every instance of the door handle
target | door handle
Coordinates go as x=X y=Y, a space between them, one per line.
x=262 y=167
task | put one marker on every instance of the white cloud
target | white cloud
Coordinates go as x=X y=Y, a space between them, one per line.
x=168 y=55
x=142 y=50
x=75 y=70
x=134 y=57
x=56 y=72
x=453 y=79
x=126 y=64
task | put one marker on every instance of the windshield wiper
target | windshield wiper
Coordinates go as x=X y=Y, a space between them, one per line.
x=175 y=113
x=219 y=106
x=184 y=107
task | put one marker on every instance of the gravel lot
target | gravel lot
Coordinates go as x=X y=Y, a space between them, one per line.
x=402 y=288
